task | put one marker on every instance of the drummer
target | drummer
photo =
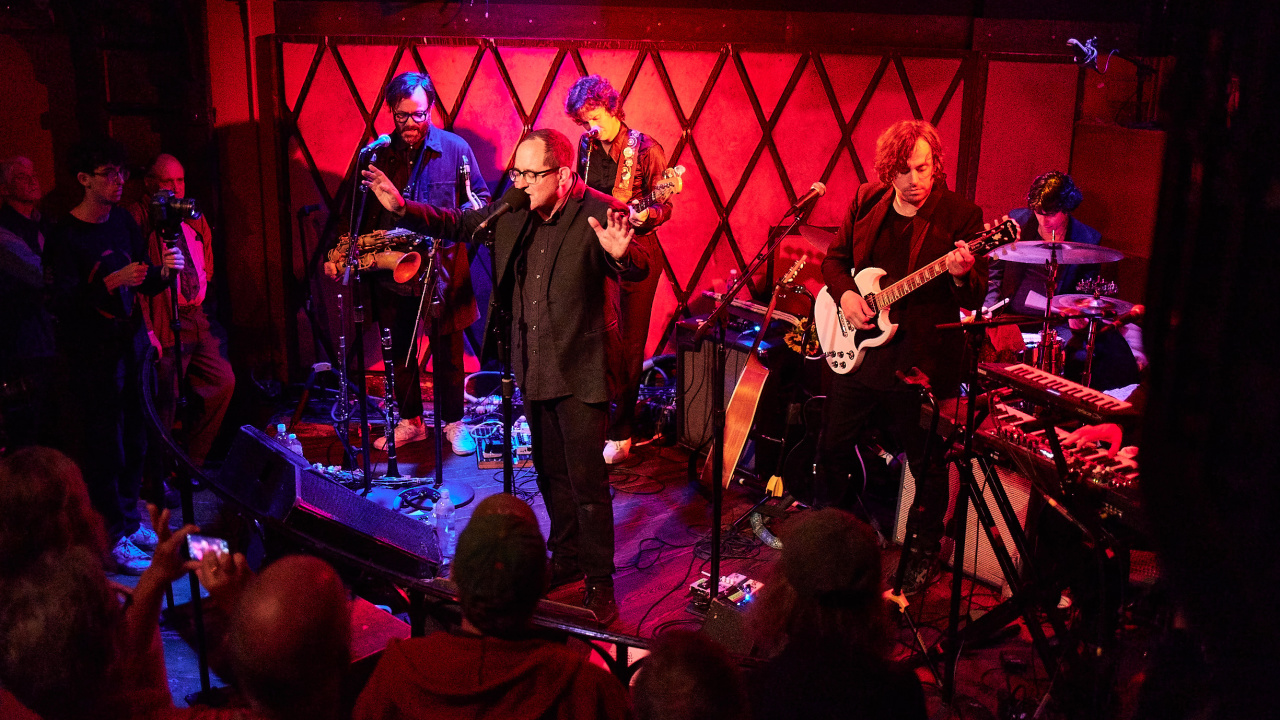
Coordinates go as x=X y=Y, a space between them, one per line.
x=1050 y=201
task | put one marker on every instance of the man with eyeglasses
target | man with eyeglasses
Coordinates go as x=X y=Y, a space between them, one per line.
x=99 y=264
x=558 y=263
x=426 y=164
x=627 y=164
x=210 y=380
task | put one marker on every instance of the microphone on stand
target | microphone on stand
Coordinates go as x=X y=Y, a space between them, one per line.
x=816 y=191
x=378 y=143
x=514 y=199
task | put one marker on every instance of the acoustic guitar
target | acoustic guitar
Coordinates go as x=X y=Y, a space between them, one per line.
x=741 y=411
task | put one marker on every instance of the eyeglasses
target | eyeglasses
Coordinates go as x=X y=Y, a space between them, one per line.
x=402 y=117
x=530 y=176
x=120 y=174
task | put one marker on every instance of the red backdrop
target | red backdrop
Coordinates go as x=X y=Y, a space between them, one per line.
x=754 y=128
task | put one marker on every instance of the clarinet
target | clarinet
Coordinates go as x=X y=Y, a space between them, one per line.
x=389 y=402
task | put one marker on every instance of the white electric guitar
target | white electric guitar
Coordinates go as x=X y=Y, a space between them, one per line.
x=843 y=345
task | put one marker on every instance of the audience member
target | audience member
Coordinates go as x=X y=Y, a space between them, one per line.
x=822 y=620
x=98 y=260
x=59 y=620
x=27 y=348
x=209 y=379
x=288 y=637
x=688 y=676
x=44 y=507
x=494 y=666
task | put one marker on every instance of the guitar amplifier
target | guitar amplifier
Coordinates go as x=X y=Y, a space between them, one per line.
x=693 y=397
x=981 y=565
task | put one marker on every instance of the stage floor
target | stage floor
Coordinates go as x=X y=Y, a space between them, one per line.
x=662 y=524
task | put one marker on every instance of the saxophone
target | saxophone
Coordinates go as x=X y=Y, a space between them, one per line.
x=390 y=407
x=384 y=250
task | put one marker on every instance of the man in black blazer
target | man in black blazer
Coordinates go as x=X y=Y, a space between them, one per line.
x=559 y=261
x=903 y=222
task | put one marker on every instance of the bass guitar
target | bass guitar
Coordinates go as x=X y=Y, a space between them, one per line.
x=843 y=345
x=670 y=184
x=741 y=411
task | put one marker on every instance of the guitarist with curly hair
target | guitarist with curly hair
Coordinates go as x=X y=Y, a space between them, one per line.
x=904 y=222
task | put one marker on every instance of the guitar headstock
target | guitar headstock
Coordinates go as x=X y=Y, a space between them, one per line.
x=1002 y=234
x=790 y=277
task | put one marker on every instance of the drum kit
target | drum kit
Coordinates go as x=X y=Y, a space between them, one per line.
x=1094 y=306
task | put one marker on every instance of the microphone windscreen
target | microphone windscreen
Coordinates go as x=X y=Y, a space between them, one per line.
x=516 y=198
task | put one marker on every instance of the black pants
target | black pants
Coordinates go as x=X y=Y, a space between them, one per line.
x=400 y=314
x=636 y=305
x=848 y=409
x=574 y=482
x=112 y=438
x=210 y=382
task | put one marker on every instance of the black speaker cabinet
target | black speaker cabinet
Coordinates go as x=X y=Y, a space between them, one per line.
x=272 y=482
x=693 y=399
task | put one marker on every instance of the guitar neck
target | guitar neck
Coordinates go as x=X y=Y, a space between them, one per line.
x=910 y=283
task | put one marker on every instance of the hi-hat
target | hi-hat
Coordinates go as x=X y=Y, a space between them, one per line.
x=1038 y=252
x=1076 y=305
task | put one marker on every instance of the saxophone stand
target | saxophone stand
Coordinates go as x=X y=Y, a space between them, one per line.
x=716 y=321
x=1029 y=595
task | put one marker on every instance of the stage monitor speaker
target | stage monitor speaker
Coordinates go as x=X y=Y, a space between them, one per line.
x=982 y=565
x=277 y=484
x=726 y=625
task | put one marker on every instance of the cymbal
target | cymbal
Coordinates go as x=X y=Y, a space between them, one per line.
x=820 y=239
x=1038 y=252
x=1076 y=305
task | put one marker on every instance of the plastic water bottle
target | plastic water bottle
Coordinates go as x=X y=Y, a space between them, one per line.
x=295 y=445
x=446 y=534
x=289 y=441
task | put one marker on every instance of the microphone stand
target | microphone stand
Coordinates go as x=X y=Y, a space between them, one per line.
x=353 y=266
x=501 y=329
x=716 y=320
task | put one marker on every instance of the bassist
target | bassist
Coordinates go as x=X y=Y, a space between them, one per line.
x=903 y=222
x=626 y=164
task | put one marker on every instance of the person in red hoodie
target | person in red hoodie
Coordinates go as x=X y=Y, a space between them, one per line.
x=493 y=666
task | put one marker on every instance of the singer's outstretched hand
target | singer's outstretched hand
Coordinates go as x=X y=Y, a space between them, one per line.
x=616 y=236
x=383 y=189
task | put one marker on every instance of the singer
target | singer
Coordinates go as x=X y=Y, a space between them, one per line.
x=901 y=223
x=627 y=164
x=559 y=257
x=424 y=163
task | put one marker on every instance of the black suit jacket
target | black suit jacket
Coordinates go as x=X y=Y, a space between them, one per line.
x=583 y=285
x=944 y=218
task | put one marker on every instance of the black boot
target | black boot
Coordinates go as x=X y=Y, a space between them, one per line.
x=599 y=600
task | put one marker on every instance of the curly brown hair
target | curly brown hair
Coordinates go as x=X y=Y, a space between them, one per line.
x=896 y=143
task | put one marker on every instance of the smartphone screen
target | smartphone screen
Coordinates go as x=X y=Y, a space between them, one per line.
x=198 y=545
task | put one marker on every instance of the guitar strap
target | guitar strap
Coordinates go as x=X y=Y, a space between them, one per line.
x=622 y=186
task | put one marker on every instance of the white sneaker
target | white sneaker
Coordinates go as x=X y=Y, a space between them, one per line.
x=459 y=436
x=145 y=539
x=129 y=559
x=615 y=451
x=407 y=431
